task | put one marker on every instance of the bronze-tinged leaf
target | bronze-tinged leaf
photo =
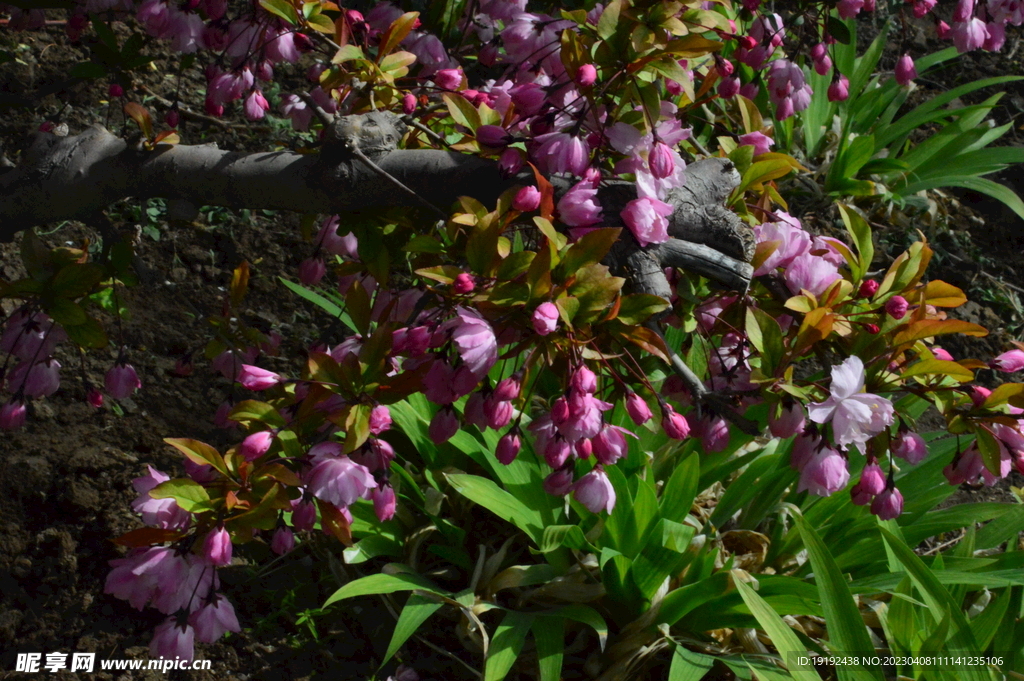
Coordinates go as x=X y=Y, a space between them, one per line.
x=939 y=367
x=396 y=33
x=547 y=194
x=1007 y=392
x=941 y=294
x=147 y=536
x=199 y=453
x=140 y=115
x=929 y=328
x=334 y=522
x=648 y=340
x=239 y=283
x=280 y=473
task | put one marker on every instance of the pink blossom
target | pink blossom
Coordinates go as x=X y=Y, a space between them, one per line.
x=646 y=219
x=790 y=239
x=303 y=514
x=295 y=109
x=508 y=389
x=256 y=445
x=586 y=75
x=557 y=451
x=560 y=152
x=968 y=35
x=579 y=207
x=610 y=444
x=761 y=142
x=811 y=273
x=528 y=98
x=897 y=307
x=475 y=341
x=172 y=641
x=408 y=103
x=448 y=79
x=254 y=378
x=443 y=426
x=594 y=490
x=497 y=412
x=839 y=89
x=280 y=46
x=339 y=480
x=383 y=502
x=660 y=161
x=380 y=419
x=95 y=398
x=217 y=547
x=508 y=447
x=185 y=29
x=528 y=35
x=527 y=200
x=888 y=505
x=996 y=36
x=856 y=416
x=218 y=615
x=787 y=88
x=256 y=106
x=788 y=422
x=729 y=87
x=713 y=432
x=922 y=7
x=584 y=380
x=942 y=354
x=1009 y=362
x=872 y=479
x=559 y=483
x=40 y=379
x=282 y=542
x=121 y=381
x=675 y=424
x=824 y=472
x=412 y=341
x=162 y=513
x=510 y=162
x=463 y=283
x=910 y=446
x=30 y=337
x=545 y=318
x=905 y=71
x=637 y=409
x=849 y=8
x=585 y=417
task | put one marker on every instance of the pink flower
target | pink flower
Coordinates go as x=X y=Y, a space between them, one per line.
x=282 y=542
x=497 y=412
x=824 y=473
x=897 y=307
x=559 y=482
x=339 y=480
x=839 y=90
x=172 y=641
x=713 y=432
x=968 y=35
x=443 y=426
x=888 y=505
x=560 y=152
x=942 y=354
x=584 y=419
x=661 y=162
x=645 y=218
x=508 y=447
x=41 y=379
x=380 y=419
x=1008 y=362
x=579 y=207
x=256 y=106
x=303 y=514
x=675 y=424
x=856 y=416
x=527 y=200
x=586 y=75
x=594 y=490
x=311 y=271
x=408 y=103
x=787 y=88
x=637 y=409
x=463 y=283
x=475 y=340
x=762 y=143
x=162 y=513
x=905 y=71
x=384 y=502
x=791 y=242
x=254 y=378
x=256 y=445
x=584 y=380
x=811 y=273
x=508 y=389
x=94 y=398
x=217 y=547
x=910 y=446
x=922 y=7
x=788 y=422
x=610 y=444
x=729 y=87
x=218 y=615
x=121 y=381
x=30 y=337
x=545 y=318
x=996 y=36
x=849 y=8
x=872 y=479
x=448 y=79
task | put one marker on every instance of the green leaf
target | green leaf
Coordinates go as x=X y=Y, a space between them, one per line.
x=188 y=494
x=88 y=334
x=200 y=453
x=324 y=304
x=783 y=638
x=371 y=547
x=860 y=231
x=499 y=502
x=846 y=630
x=254 y=410
x=1005 y=527
x=681 y=489
x=569 y=536
x=282 y=9
x=639 y=307
x=688 y=665
x=506 y=644
x=372 y=585
x=417 y=610
x=549 y=636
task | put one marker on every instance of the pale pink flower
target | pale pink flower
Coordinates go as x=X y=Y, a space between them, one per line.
x=787 y=88
x=585 y=417
x=218 y=615
x=872 y=479
x=888 y=505
x=675 y=424
x=448 y=79
x=646 y=219
x=162 y=513
x=811 y=273
x=560 y=152
x=610 y=444
x=761 y=142
x=303 y=514
x=339 y=480
x=256 y=106
x=594 y=490
x=383 y=502
x=172 y=641
x=579 y=207
x=256 y=445
x=30 y=337
x=791 y=242
x=856 y=416
x=559 y=482
x=475 y=341
x=545 y=318
x=789 y=421
x=295 y=108
x=121 y=381
x=40 y=379
x=910 y=446
x=254 y=378
x=380 y=419
x=849 y=8
x=217 y=547
x=839 y=89
x=968 y=35
x=824 y=472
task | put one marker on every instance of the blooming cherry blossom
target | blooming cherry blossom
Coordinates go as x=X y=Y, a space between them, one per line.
x=856 y=416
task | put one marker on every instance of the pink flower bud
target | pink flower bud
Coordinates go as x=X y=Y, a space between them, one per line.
x=311 y=271
x=121 y=381
x=872 y=479
x=637 y=409
x=729 y=87
x=115 y=90
x=508 y=389
x=586 y=75
x=463 y=283
x=872 y=328
x=888 y=505
x=380 y=419
x=545 y=318
x=584 y=380
x=256 y=106
x=527 y=200
x=444 y=424
x=171 y=119
x=941 y=353
x=559 y=482
x=610 y=445
x=408 y=103
x=497 y=412
x=510 y=162
x=594 y=490
x=868 y=288
x=94 y=397
x=283 y=541
x=384 y=502
x=254 y=378
x=1008 y=362
x=897 y=307
x=761 y=142
x=978 y=394
x=256 y=445
x=905 y=70
x=661 y=162
x=217 y=547
x=508 y=447
x=839 y=90
x=303 y=514
x=12 y=415
x=493 y=136
x=557 y=452
x=448 y=79
x=910 y=446
x=675 y=424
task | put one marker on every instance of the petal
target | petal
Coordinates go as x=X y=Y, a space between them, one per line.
x=851 y=419
x=848 y=378
x=821 y=412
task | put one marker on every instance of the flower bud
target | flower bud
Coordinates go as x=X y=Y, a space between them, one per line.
x=493 y=136
x=444 y=424
x=254 y=378
x=905 y=70
x=256 y=445
x=508 y=389
x=115 y=90
x=380 y=419
x=217 y=547
x=121 y=381
x=675 y=424
x=12 y=415
x=408 y=103
x=463 y=283
x=311 y=271
x=868 y=288
x=95 y=398
x=545 y=318
x=872 y=328
x=303 y=514
x=909 y=446
x=584 y=380
x=888 y=505
x=586 y=75
x=559 y=483
x=637 y=409
x=661 y=163
x=527 y=200
x=897 y=307
x=1008 y=362
x=283 y=541
x=384 y=502
x=508 y=447
x=789 y=422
